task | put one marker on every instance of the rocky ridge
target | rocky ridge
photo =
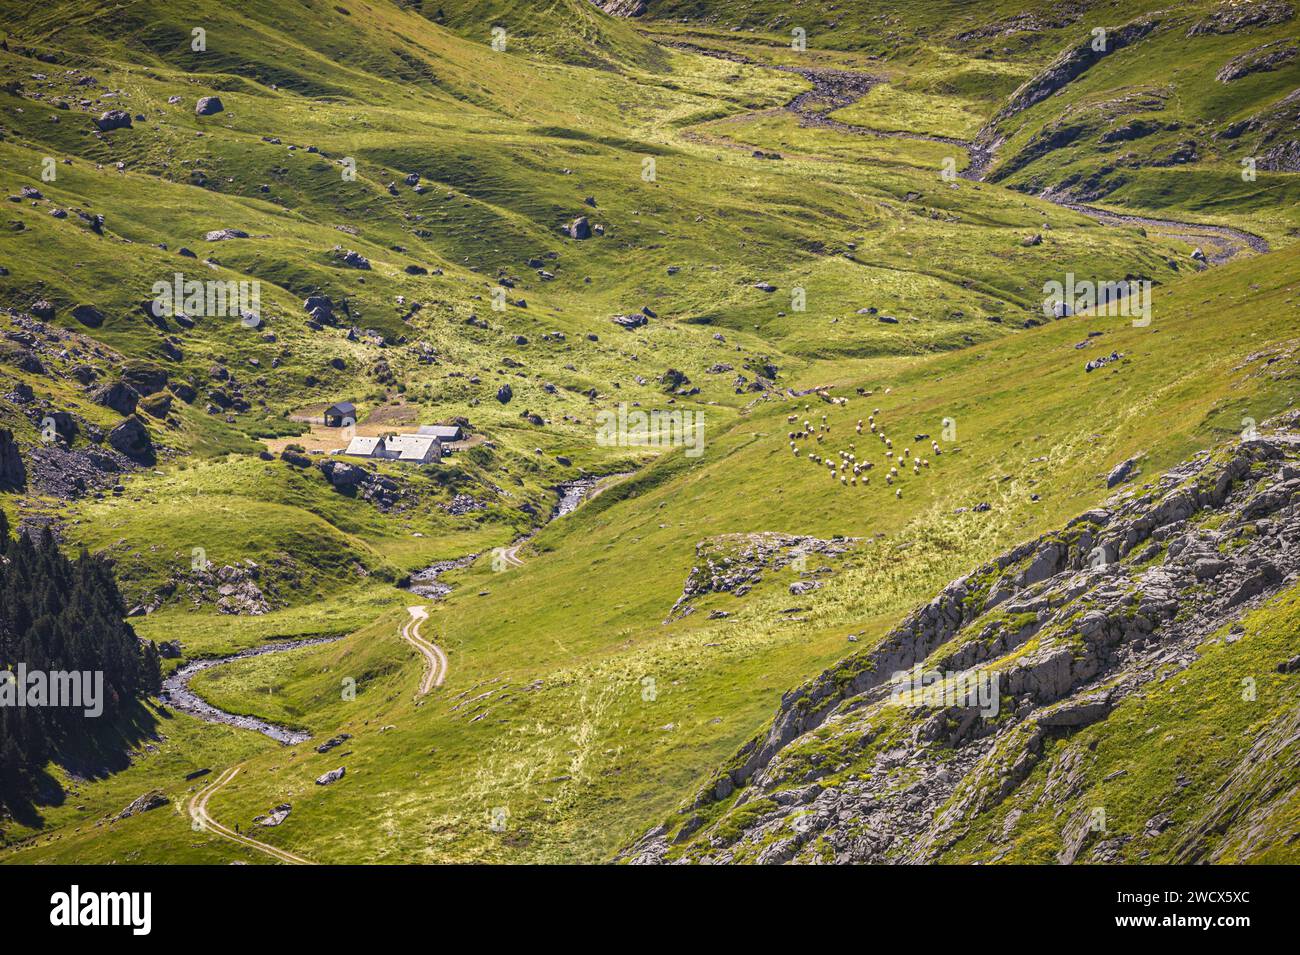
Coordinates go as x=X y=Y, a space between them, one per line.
x=1069 y=625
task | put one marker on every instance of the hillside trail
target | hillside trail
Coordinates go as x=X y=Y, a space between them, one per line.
x=572 y=495
x=435 y=670
x=834 y=89
x=198 y=808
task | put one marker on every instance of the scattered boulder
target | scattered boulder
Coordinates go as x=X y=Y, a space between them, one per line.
x=276 y=816
x=88 y=315
x=579 y=228
x=208 y=105
x=333 y=776
x=221 y=235
x=150 y=800
x=131 y=438
x=505 y=393
x=114 y=119
x=630 y=322
x=119 y=396
x=1122 y=472
x=332 y=742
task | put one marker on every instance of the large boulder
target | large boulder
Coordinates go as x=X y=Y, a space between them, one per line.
x=88 y=315
x=114 y=119
x=319 y=308
x=131 y=438
x=144 y=377
x=629 y=322
x=1122 y=472
x=276 y=816
x=579 y=228
x=342 y=475
x=207 y=105
x=505 y=393
x=150 y=800
x=333 y=776
x=119 y=396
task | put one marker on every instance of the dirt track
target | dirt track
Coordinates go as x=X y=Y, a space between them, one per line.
x=198 y=807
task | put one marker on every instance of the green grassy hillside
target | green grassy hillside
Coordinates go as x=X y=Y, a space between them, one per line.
x=572 y=702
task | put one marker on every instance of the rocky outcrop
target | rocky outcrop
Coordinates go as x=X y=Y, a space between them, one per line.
x=150 y=800
x=355 y=481
x=207 y=105
x=1262 y=59
x=1067 y=67
x=351 y=258
x=1284 y=157
x=70 y=473
x=333 y=776
x=622 y=8
x=735 y=563
x=1232 y=15
x=865 y=764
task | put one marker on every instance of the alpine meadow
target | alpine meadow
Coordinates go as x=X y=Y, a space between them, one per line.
x=649 y=431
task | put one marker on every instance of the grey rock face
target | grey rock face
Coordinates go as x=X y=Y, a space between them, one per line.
x=1073 y=624
x=207 y=105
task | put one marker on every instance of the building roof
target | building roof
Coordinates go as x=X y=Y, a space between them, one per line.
x=364 y=447
x=343 y=407
x=411 y=447
x=443 y=432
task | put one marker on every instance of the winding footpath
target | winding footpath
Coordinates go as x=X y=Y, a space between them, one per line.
x=178 y=694
x=198 y=807
x=435 y=670
x=834 y=89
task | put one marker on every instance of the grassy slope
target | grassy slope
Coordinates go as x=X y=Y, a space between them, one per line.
x=582 y=762
x=576 y=617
